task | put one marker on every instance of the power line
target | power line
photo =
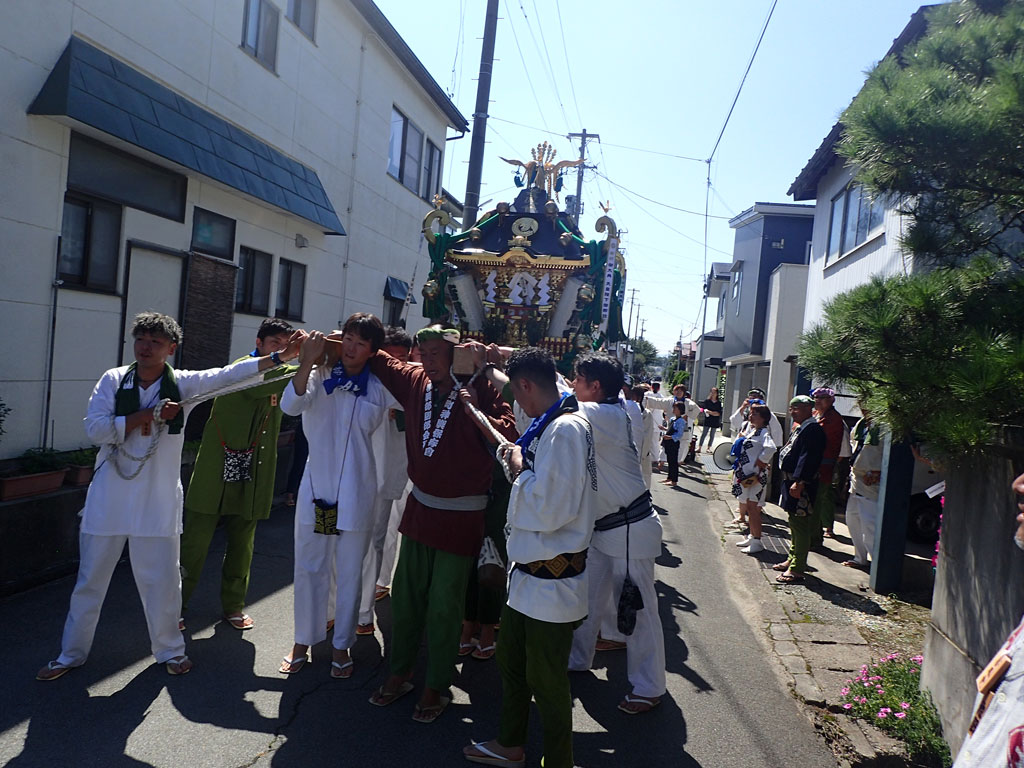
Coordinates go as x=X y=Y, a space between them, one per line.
x=657 y=202
x=742 y=81
x=526 y=71
x=547 y=55
x=523 y=125
x=541 y=52
x=670 y=227
x=568 y=67
x=656 y=152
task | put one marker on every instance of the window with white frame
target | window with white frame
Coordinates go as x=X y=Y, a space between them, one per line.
x=259 y=32
x=302 y=14
x=291 y=288
x=405 y=151
x=252 y=286
x=854 y=217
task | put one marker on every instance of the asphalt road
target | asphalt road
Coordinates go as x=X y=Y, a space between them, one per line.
x=725 y=706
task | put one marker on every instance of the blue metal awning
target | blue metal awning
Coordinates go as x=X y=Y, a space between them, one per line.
x=398 y=290
x=98 y=90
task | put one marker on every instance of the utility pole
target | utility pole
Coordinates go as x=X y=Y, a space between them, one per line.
x=578 y=212
x=643 y=324
x=483 y=97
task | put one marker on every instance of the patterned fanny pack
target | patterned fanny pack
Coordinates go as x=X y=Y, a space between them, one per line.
x=562 y=566
x=238 y=463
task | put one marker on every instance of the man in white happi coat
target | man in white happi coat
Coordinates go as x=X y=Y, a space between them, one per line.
x=341 y=403
x=392 y=485
x=134 y=412
x=551 y=520
x=627 y=537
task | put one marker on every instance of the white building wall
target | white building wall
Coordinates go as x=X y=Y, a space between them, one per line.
x=880 y=254
x=786 y=290
x=328 y=105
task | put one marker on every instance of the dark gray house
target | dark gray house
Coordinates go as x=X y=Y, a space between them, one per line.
x=760 y=312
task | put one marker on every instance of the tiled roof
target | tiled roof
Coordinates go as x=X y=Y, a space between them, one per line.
x=96 y=89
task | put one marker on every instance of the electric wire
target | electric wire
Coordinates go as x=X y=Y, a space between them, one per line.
x=568 y=67
x=537 y=47
x=529 y=80
x=547 y=55
x=657 y=202
x=670 y=227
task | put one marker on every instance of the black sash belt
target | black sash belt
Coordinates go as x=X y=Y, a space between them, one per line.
x=639 y=509
x=562 y=566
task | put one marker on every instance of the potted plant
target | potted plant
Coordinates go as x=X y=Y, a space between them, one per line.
x=40 y=470
x=80 y=465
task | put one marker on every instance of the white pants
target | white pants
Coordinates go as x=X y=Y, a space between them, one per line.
x=861 y=515
x=380 y=554
x=317 y=558
x=154 y=562
x=645 y=648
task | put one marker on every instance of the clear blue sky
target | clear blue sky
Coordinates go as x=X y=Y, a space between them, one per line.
x=656 y=76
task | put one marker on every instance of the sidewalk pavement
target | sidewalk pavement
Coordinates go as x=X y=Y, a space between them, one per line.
x=819 y=631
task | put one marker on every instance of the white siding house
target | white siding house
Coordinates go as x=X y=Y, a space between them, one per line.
x=217 y=160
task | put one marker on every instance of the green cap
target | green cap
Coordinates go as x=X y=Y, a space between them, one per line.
x=801 y=400
x=433 y=332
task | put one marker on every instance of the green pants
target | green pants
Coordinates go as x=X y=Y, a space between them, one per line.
x=824 y=506
x=801 y=528
x=533 y=656
x=428 y=591
x=195 y=543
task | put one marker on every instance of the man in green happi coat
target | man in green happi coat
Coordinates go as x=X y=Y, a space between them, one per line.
x=234 y=480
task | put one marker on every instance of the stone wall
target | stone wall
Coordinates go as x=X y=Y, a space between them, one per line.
x=977 y=599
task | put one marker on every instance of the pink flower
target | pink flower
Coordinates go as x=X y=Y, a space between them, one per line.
x=917 y=659
x=882 y=715
x=847 y=706
x=901 y=715
x=904 y=705
x=844 y=691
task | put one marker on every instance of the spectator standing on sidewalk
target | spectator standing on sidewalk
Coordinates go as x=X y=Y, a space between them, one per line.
x=712 y=408
x=865 y=475
x=996 y=733
x=825 y=501
x=800 y=460
x=750 y=474
x=670 y=442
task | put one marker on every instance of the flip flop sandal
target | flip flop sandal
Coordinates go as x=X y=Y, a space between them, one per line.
x=53 y=670
x=291 y=666
x=381 y=592
x=241 y=623
x=630 y=699
x=484 y=653
x=789 y=578
x=465 y=649
x=365 y=629
x=382 y=699
x=783 y=566
x=430 y=714
x=174 y=666
x=181 y=624
x=342 y=671
x=609 y=645
x=492 y=758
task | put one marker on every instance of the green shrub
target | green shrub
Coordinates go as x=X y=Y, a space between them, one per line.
x=83 y=457
x=888 y=695
x=36 y=460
